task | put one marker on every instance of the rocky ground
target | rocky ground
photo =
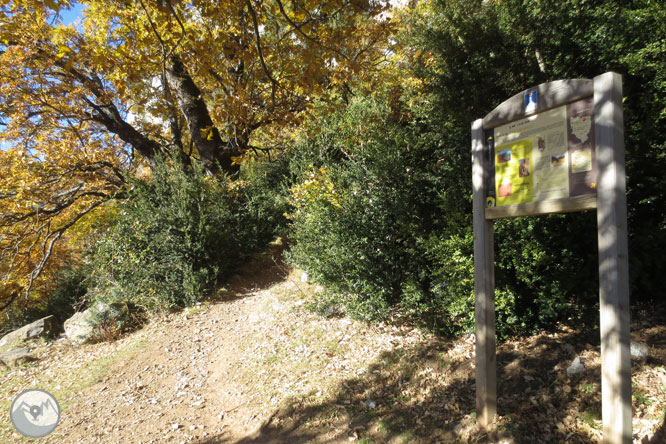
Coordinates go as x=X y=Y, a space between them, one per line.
x=253 y=365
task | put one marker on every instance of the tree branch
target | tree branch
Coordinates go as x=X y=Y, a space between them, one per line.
x=109 y=116
x=12 y=298
x=298 y=27
x=51 y=239
x=261 y=53
x=203 y=132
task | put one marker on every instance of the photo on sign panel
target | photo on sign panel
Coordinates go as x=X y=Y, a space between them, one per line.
x=524 y=167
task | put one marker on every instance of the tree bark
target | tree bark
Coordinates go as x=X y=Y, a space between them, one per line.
x=215 y=154
x=109 y=116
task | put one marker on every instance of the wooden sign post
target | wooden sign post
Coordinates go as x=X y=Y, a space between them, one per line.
x=556 y=148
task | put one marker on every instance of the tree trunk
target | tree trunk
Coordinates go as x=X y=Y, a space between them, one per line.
x=214 y=153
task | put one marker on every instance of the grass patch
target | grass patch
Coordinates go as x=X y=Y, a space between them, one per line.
x=592 y=417
x=196 y=309
x=590 y=389
x=443 y=361
x=63 y=385
x=272 y=359
x=384 y=426
x=408 y=436
x=641 y=398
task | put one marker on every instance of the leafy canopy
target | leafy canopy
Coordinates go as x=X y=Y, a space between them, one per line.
x=83 y=106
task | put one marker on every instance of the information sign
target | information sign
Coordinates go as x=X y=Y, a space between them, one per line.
x=557 y=148
x=545 y=156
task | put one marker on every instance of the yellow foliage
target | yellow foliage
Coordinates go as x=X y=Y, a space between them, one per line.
x=257 y=66
x=317 y=187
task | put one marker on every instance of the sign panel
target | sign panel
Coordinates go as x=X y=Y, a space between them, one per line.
x=545 y=156
x=527 y=164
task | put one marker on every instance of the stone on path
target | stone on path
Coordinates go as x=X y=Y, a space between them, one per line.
x=639 y=350
x=16 y=357
x=44 y=327
x=575 y=368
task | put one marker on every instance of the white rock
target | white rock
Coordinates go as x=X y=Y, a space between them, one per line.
x=79 y=328
x=370 y=403
x=575 y=368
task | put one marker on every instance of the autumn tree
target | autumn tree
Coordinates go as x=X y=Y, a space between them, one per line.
x=83 y=105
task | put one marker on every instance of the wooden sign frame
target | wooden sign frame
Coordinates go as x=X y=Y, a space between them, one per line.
x=610 y=203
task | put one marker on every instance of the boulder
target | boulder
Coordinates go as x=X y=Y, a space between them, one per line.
x=576 y=367
x=16 y=357
x=80 y=327
x=45 y=327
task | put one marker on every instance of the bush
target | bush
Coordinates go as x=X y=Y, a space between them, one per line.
x=473 y=55
x=382 y=217
x=371 y=193
x=70 y=290
x=264 y=198
x=174 y=237
x=111 y=321
x=451 y=308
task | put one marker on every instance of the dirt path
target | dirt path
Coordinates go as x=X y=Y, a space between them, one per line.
x=187 y=384
x=254 y=366
x=218 y=372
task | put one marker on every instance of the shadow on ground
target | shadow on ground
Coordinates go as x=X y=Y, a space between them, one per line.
x=259 y=272
x=426 y=394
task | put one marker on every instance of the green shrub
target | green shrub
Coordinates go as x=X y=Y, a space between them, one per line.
x=72 y=284
x=368 y=198
x=111 y=321
x=174 y=236
x=264 y=199
x=474 y=55
x=382 y=218
x=451 y=308
x=549 y=265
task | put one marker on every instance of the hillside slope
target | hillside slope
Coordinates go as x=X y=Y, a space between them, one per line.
x=253 y=365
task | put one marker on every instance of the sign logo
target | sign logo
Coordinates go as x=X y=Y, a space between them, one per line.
x=35 y=413
x=531 y=101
